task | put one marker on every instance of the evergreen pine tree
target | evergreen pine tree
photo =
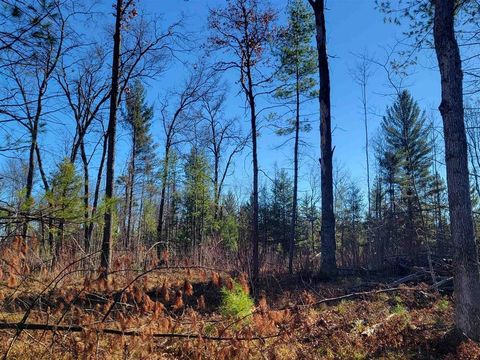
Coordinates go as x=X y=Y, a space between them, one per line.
x=408 y=160
x=298 y=65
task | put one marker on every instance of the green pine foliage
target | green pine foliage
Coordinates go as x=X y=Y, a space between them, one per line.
x=139 y=117
x=297 y=59
x=405 y=160
x=65 y=195
x=197 y=198
x=236 y=303
x=297 y=56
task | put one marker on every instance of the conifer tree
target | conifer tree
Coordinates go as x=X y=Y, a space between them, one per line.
x=66 y=202
x=298 y=65
x=408 y=161
x=138 y=119
x=280 y=209
x=197 y=198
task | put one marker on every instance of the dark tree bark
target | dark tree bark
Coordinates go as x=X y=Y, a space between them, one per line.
x=112 y=127
x=328 y=265
x=253 y=121
x=467 y=274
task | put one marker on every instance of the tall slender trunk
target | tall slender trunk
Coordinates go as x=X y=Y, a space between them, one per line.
x=295 y=174
x=166 y=164
x=328 y=265
x=466 y=265
x=253 y=120
x=86 y=196
x=216 y=188
x=96 y=194
x=367 y=157
x=112 y=127
x=132 y=185
x=30 y=172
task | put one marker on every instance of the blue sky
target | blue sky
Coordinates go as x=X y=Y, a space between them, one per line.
x=353 y=27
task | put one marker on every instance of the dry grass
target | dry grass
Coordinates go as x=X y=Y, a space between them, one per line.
x=287 y=323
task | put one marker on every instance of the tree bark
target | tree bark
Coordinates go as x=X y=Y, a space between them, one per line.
x=96 y=194
x=166 y=164
x=328 y=265
x=466 y=265
x=291 y=252
x=86 y=197
x=112 y=126
x=253 y=121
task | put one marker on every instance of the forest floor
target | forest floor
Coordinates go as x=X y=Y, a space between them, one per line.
x=178 y=314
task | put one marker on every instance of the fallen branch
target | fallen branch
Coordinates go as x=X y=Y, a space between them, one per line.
x=354 y=295
x=76 y=328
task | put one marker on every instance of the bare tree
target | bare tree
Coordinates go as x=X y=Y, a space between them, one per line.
x=328 y=264
x=467 y=268
x=29 y=69
x=244 y=29
x=143 y=54
x=224 y=142
x=86 y=93
x=176 y=119
x=361 y=74
x=111 y=133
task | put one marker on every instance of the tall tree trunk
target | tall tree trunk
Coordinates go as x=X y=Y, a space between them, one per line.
x=253 y=120
x=166 y=164
x=130 y=202
x=367 y=157
x=328 y=265
x=466 y=265
x=216 y=188
x=86 y=196
x=293 y=233
x=112 y=127
x=96 y=194
x=30 y=173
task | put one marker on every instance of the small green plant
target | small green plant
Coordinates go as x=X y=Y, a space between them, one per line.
x=342 y=307
x=236 y=302
x=399 y=309
x=443 y=304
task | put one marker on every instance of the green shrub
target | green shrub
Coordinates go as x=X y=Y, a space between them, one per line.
x=443 y=305
x=399 y=309
x=236 y=302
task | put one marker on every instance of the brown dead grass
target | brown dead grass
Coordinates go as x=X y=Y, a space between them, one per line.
x=404 y=324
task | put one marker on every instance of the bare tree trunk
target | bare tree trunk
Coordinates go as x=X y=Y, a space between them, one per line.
x=112 y=127
x=166 y=164
x=365 y=122
x=328 y=265
x=96 y=194
x=86 y=196
x=295 y=176
x=467 y=275
x=253 y=120
x=30 y=172
x=132 y=184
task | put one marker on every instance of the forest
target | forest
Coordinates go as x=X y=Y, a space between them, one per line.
x=237 y=179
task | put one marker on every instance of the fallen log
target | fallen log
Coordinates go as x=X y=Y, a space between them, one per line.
x=77 y=328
